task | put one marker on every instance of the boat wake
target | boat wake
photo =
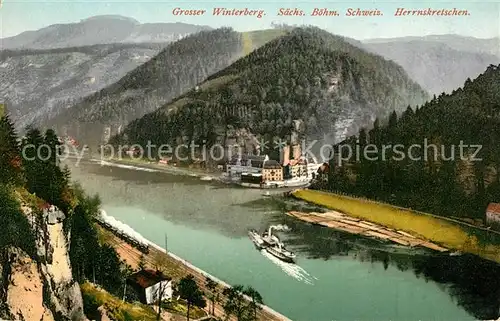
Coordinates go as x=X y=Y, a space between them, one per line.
x=280 y=227
x=286 y=266
x=291 y=269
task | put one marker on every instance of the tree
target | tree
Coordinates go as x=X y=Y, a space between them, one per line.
x=44 y=176
x=142 y=262
x=212 y=287
x=31 y=144
x=15 y=229
x=159 y=261
x=109 y=268
x=235 y=302
x=158 y=296
x=126 y=272
x=54 y=146
x=11 y=170
x=256 y=300
x=188 y=290
x=88 y=258
x=84 y=248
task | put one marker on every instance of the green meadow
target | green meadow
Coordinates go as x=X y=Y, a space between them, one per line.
x=450 y=234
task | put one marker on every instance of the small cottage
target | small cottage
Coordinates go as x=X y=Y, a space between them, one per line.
x=151 y=286
x=493 y=215
x=322 y=173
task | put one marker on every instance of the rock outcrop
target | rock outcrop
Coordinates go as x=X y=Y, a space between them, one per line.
x=41 y=288
x=25 y=290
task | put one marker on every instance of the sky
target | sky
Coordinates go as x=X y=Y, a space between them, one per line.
x=17 y=16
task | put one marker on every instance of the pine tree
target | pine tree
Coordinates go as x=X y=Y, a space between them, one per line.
x=53 y=146
x=11 y=169
x=34 y=167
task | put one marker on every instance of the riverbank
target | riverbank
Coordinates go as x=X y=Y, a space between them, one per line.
x=345 y=223
x=207 y=225
x=176 y=268
x=203 y=174
x=445 y=233
x=171 y=167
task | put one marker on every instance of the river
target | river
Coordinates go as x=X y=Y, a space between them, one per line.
x=337 y=276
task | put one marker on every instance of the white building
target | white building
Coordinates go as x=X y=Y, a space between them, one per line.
x=493 y=215
x=106 y=136
x=245 y=164
x=312 y=169
x=151 y=286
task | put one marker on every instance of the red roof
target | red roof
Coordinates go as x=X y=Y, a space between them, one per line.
x=493 y=208
x=297 y=162
x=45 y=206
x=147 y=278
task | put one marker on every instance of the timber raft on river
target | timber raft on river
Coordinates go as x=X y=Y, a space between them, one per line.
x=345 y=223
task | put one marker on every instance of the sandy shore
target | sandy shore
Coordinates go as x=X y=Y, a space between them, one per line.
x=341 y=222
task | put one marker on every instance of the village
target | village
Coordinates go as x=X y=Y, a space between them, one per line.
x=294 y=169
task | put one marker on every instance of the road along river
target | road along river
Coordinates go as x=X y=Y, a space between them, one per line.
x=337 y=276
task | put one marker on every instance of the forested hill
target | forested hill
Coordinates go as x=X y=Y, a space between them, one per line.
x=443 y=182
x=178 y=68
x=307 y=75
x=39 y=84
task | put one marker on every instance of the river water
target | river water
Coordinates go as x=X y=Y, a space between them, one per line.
x=337 y=276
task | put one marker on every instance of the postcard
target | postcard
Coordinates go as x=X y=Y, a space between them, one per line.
x=250 y=160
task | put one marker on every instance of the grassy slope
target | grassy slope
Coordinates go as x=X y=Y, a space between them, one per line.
x=119 y=310
x=444 y=232
x=255 y=39
x=116 y=308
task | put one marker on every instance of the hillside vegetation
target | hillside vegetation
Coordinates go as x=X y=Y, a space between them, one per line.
x=178 y=68
x=436 y=66
x=307 y=75
x=39 y=84
x=441 y=179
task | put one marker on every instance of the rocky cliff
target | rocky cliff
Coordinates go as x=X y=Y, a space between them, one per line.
x=41 y=287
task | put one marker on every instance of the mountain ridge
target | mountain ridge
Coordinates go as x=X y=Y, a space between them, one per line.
x=307 y=75
x=175 y=70
x=457 y=42
x=95 y=30
x=437 y=66
x=38 y=84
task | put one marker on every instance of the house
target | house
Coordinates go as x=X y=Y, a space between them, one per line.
x=245 y=164
x=285 y=155
x=251 y=179
x=151 y=285
x=295 y=168
x=136 y=151
x=312 y=169
x=106 y=136
x=322 y=173
x=272 y=171
x=493 y=215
